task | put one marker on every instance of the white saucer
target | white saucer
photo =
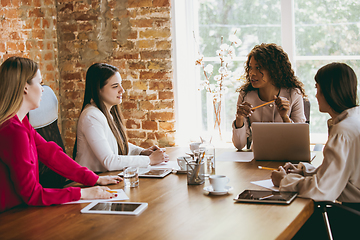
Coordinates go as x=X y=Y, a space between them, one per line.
x=210 y=190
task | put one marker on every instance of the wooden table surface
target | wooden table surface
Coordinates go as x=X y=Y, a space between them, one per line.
x=175 y=211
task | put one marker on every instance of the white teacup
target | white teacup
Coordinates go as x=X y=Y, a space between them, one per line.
x=218 y=182
x=182 y=163
x=194 y=146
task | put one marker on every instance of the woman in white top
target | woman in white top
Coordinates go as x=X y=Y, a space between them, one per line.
x=269 y=76
x=338 y=177
x=101 y=143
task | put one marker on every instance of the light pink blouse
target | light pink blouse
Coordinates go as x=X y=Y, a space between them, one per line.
x=267 y=113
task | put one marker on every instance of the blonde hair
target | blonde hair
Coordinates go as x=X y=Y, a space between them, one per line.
x=15 y=72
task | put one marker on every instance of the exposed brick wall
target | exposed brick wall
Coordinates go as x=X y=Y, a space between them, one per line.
x=133 y=35
x=28 y=29
x=66 y=37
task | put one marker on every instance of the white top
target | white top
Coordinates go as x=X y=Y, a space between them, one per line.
x=97 y=147
x=267 y=113
x=338 y=177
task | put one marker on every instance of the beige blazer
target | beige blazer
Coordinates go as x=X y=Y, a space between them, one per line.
x=267 y=113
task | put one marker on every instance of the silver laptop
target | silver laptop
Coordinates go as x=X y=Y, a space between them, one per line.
x=281 y=141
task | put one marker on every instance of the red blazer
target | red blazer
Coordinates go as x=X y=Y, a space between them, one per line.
x=20 y=149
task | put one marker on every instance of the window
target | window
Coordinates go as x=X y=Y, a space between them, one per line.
x=312 y=32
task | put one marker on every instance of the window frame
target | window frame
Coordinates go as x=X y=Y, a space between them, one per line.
x=188 y=119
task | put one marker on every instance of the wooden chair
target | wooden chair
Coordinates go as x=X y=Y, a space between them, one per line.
x=45 y=121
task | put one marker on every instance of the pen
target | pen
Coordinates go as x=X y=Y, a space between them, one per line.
x=267 y=168
x=262 y=105
x=266 y=197
x=111 y=191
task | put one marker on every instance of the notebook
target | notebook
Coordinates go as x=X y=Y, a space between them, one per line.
x=281 y=141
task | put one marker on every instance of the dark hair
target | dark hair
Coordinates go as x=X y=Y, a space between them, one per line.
x=96 y=78
x=338 y=84
x=272 y=57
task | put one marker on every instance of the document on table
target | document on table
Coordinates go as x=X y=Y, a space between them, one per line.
x=235 y=157
x=266 y=184
x=121 y=195
x=169 y=164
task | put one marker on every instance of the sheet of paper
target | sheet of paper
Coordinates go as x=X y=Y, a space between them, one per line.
x=121 y=195
x=266 y=184
x=235 y=157
x=169 y=164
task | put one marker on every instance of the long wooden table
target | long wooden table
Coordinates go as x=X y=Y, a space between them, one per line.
x=175 y=211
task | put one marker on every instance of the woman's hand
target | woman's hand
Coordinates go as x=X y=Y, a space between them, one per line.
x=149 y=151
x=243 y=110
x=283 y=106
x=291 y=168
x=277 y=176
x=96 y=193
x=158 y=156
x=106 y=180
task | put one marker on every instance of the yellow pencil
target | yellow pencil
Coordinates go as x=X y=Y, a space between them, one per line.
x=111 y=191
x=262 y=105
x=267 y=168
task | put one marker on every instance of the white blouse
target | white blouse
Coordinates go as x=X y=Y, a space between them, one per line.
x=267 y=113
x=97 y=148
x=338 y=177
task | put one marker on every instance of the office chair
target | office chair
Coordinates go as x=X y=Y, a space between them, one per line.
x=307 y=109
x=44 y=120
x=346 y=220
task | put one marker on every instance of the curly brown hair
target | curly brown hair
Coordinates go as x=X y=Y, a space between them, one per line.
x=272 y=57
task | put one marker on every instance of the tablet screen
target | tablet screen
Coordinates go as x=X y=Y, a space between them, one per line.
x=266 y=196
x=148 y=172
x=111 y=206
x=127 y=208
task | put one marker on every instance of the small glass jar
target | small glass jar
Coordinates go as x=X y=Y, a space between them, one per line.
x=209 y=157
x=195 y=173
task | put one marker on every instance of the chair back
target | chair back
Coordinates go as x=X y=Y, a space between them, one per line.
x=307 y=109
x=44 y=120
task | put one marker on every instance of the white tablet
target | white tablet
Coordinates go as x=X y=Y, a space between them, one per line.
x=127 y=208
x=151 y=172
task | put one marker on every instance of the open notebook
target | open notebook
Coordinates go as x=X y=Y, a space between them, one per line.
x=281 y=141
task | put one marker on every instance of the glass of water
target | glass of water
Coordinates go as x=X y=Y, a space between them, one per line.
x=131 y=177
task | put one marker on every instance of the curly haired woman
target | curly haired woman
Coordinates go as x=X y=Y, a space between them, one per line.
x=269 y=77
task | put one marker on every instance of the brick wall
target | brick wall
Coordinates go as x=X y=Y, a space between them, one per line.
x=66 y=37
x=133 y=35
x=28 y=29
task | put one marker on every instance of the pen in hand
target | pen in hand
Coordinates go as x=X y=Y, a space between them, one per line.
x=267 y=168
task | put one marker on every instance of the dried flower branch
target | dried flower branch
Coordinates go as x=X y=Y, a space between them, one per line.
x=226 y=53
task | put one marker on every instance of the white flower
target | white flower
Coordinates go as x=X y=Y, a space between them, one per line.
x=234 y=39
x=222 y=70
x=199 y=60
x=224 y=47
x=217 y=77
x=209 y=68
x=231 y=51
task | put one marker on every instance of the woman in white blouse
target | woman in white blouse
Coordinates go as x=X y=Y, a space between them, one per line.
x=269 y=77
x=102 y=143
x=338 y=177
